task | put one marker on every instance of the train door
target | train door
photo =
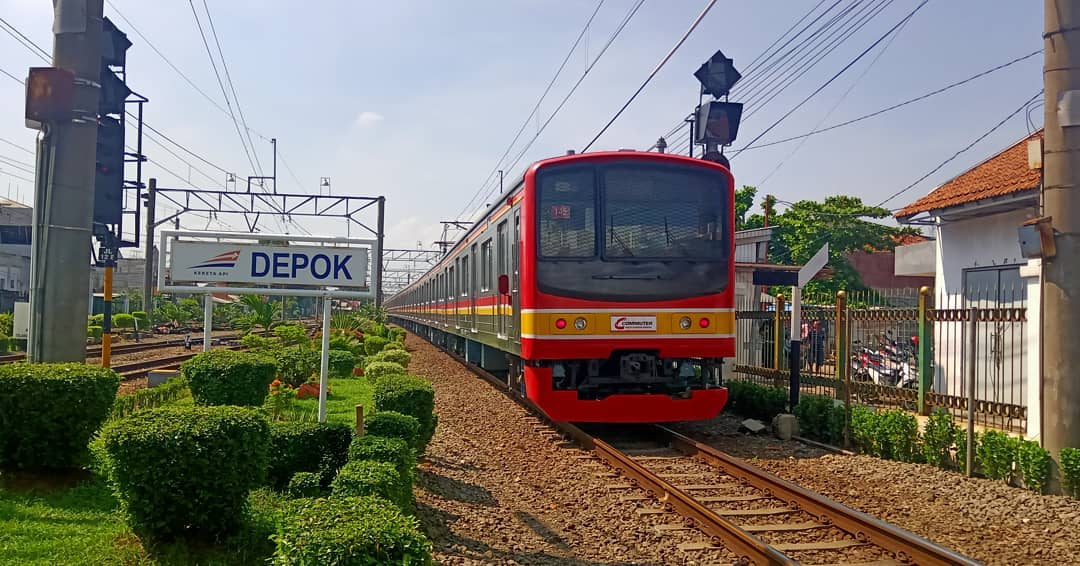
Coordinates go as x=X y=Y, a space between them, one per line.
x=473 y=286
x=451 y=304
x=515 y=281
x=501 y=252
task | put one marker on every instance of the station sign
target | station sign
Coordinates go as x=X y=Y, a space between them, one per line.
x=220 y=262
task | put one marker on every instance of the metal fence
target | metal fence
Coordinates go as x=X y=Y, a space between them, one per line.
x=902 y=349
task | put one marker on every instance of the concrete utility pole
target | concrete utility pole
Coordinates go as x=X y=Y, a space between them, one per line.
x=1061 y=202
x=64 y=203
x=148 y=276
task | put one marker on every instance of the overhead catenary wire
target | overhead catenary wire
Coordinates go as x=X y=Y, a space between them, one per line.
x=611 y=39
x=837 y=75
x=671 y=53
x=232 y=87
x=217 y=74
x=536 y=107
x=26 y=41
x=966 y=148
x=899 y=104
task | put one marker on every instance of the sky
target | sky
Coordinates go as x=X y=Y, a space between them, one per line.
x=417 y=101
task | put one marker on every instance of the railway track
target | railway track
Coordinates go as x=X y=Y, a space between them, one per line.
x=120 y=349
x=742 y=510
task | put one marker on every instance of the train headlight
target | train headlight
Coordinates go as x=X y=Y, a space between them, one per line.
x=580 y=323
x=685 y=322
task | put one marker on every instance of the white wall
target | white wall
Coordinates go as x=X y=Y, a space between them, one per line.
x=985 y=241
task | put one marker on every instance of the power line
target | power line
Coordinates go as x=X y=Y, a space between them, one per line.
x=221 y=84
x=21 y=165
x=969 y=146
x=836 y=104
x=13 y=77
x=648 y=79
x=536 y=107
x=299 y=185
x=232 y=88
x=14 y=176
x=16 y=146
x=900 y=104
x=166 y=59
x=26 y=41
x=540 y=130
x=837 y=75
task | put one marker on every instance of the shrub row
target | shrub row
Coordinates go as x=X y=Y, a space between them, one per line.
x=320 y=448
x=392 y=424
x=48 y=412
x=226 y=377
x=409 y=395
x=342 y=363
x=142 y=399
x=1070 y=470
x=377 y=370
x=373 y=477
x=397 y=356
x=756 y=401
x=374 y=344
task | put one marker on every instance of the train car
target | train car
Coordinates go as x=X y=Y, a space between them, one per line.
x=600 y=285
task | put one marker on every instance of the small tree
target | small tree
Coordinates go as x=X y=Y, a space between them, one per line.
x=261 y=312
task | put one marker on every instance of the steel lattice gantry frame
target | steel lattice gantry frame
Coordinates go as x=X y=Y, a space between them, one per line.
x=253 y=205
x=402 y=267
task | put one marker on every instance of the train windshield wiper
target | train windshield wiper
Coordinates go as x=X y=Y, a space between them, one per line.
x=631 y=277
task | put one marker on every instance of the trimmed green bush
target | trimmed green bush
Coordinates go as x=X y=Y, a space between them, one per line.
x=48 y=412
x=95 y=332
x=381 y=449
x=756 y=401
x=348 y=342
x=123 y=321
x=348 y=530
x=409 y=395
x=1070 y=470
x=400 y=357
x=392 y=424
x=396 y=335
x=304 y=484
x=226 y=377
x=96 y=320
x=996 y=453
x=374 y=344
x=939 y=435
x=370 y=477
x=341 y=363
x=1033 y=463
x=293 y=335
x=257 y=343
x=315 y=447
x=376 y=370
x=892 y=435
x=185 y=472
x=143 y=318
x=820 y=418
x=296 y=364
x=394 y=346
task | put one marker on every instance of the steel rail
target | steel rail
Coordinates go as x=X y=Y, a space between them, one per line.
x=751 y=550
x=906 y=546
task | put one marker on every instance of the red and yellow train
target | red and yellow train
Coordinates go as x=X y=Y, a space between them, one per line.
x=600 y=286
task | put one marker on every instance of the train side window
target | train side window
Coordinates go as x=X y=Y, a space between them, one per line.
x=503 y=252
x=516 y=247
x=485 y=266
x=464 y=275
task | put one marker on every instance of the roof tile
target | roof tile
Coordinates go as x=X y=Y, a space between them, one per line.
x=1003 y=174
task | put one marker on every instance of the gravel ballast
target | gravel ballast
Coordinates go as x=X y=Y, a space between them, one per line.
x=496 y=487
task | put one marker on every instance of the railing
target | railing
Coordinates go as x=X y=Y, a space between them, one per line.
x=899 y=350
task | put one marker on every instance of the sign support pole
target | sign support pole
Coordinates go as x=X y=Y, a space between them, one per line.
x=208 y=322
x=796 y=345
x=324 y=363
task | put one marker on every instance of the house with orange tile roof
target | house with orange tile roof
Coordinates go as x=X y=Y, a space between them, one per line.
x=977 y=262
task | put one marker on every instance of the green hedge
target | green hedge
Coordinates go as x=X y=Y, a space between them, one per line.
x=296 y=364
x=304 y=484
x=397 y=334
x=95 y=332
x=394 y=346
x=123 y=321
x=821 y=419
x=142 y=318
x=1070 y=470
x=48 y=412
x=341 y=341
x=892 y=434
x=341 y=363
x=392 y=424
x=226 y=377
x=380 y=449
x=374 y=344
x=409 y=395
x=376 y=370
x=143 y=399
x=348 y=531
x=756 y=401
x=185 y=472
x=400 y=357
x=322 y=448
x=370 y=477
x=293 y=335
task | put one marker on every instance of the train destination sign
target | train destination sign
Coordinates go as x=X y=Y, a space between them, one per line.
x=223 y=262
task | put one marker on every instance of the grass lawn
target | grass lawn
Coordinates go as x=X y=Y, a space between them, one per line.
x=342 y=399
x=83 y=524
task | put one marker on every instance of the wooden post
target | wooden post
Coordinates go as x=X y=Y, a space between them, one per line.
x=359 y=420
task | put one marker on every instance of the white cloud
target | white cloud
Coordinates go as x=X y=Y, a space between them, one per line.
x=367 y=119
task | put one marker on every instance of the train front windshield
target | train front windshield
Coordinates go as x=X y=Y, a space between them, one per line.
x=632 y=231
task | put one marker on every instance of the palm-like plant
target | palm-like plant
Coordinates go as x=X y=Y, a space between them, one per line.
x=261 y=312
